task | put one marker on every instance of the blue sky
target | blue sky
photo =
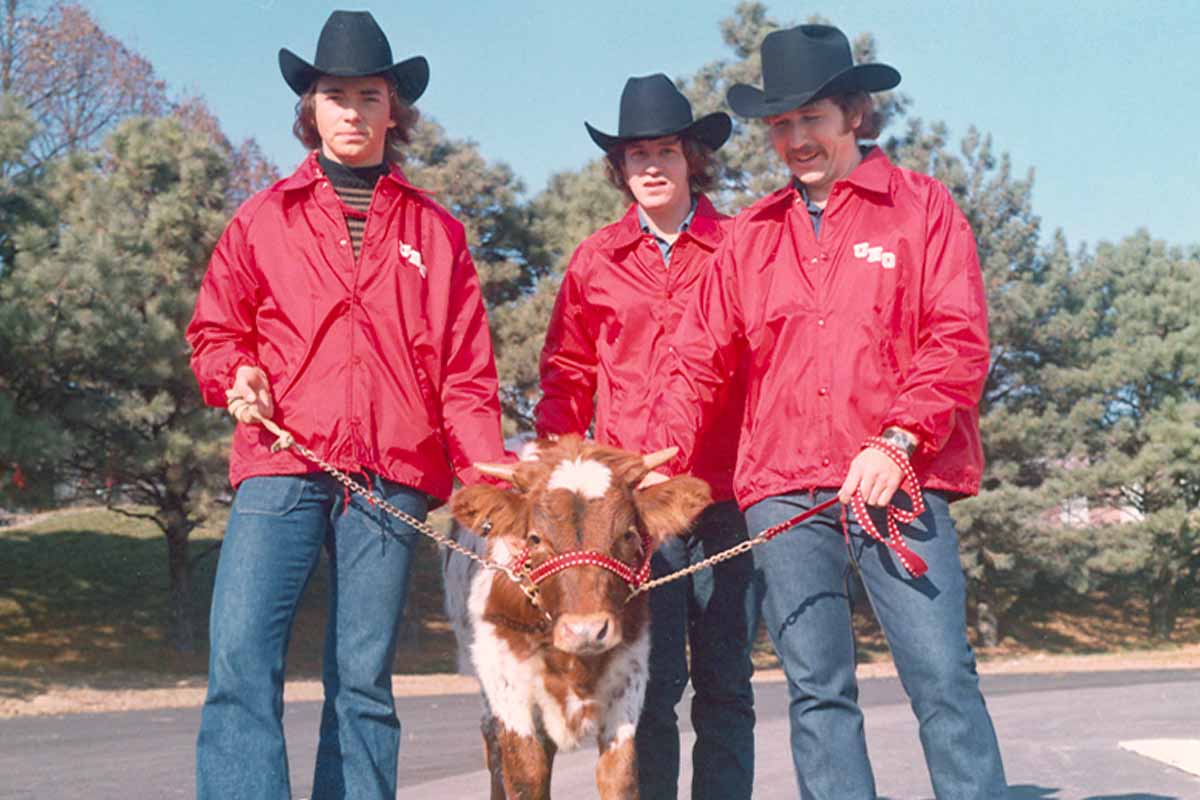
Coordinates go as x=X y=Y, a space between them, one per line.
x=1099 y=97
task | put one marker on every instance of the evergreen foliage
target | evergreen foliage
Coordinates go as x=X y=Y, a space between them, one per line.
x=93 y=315
x=1130 y=416
x=1092 y=402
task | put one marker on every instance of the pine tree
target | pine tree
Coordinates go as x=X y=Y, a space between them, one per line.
x=29 y=441
x=486 y=198
x=572 y=207
x=1131 y=409
x=94 y=315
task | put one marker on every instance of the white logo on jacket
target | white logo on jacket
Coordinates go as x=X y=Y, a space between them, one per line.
x=413 y=255
x=875 y=255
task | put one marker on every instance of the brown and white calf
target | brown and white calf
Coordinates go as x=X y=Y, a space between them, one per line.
x=574 y=670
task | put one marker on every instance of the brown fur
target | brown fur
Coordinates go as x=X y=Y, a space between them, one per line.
x=616 y=771
x=551 y=522
x=525 y=764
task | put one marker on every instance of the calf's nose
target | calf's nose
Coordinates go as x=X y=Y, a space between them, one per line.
x=591 y=633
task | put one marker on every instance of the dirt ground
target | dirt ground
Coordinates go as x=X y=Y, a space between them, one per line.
x=113 y=693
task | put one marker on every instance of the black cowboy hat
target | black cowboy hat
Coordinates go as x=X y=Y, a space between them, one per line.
x=651 y=107
x=352 y=45
x=804 y=64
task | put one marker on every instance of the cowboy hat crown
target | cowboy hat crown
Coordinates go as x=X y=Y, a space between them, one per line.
x=804 y=64
x=651 y=108
x=352 y=45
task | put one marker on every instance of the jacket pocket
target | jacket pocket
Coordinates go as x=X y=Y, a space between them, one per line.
x=269 y=495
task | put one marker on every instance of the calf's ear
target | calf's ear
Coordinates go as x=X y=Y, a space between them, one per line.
x=670 y=508
x=488 y=510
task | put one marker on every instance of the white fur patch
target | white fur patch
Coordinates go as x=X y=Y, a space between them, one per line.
x=623 y=690
x=560 y=723
x=589 y=479
x=506 y=680
x=516 y=688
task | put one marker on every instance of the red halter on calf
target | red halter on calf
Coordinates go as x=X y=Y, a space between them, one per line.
x=579 y=558
x=588 y=558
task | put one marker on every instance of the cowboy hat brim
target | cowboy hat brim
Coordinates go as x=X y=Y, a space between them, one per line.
x=411 y=76
x=712 y=130
x=750 y=101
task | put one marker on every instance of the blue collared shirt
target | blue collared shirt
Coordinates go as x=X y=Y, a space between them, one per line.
x=664 y=246
x=815 y=212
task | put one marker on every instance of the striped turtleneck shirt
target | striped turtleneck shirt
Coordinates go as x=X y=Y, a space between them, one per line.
x=354 y=185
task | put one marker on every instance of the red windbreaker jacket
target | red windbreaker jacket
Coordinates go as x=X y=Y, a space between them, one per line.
x=383 y=363
x=615 y=312
x=880 y=321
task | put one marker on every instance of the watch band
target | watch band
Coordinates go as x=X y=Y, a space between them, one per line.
x=901 y=439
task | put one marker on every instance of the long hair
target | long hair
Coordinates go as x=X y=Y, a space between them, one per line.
x=871 y=125
x=403 y=114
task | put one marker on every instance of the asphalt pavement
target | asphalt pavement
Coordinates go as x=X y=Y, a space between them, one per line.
x=1060 y=734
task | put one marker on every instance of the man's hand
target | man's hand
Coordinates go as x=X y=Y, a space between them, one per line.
x=251 y=391
x=875 y=475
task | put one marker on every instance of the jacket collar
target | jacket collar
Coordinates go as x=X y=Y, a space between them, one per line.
x=309 y=172
x=706 y=224
x=873 y=174
x=704 y=228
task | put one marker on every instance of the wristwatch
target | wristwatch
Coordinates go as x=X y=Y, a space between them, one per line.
x=905 y=441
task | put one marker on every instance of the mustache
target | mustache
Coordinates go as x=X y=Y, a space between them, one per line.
x=805 y=152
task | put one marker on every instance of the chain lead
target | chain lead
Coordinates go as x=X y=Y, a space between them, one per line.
x=286 y=440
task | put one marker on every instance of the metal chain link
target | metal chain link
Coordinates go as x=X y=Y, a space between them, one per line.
x=736 y=550
x=285 y=440
x=531 y=592
x=712 y=560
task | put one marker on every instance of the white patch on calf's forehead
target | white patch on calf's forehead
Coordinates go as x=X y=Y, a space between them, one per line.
x=587 y=478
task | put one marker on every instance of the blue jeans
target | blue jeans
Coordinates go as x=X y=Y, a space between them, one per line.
x=272 y=544
x=807 y=610
x=712 y=611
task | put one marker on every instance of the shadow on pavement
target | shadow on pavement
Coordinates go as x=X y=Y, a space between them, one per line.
x=1032 y=792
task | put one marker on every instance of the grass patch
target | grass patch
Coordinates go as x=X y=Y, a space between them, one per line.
x=83 y=599
x=84 y=595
